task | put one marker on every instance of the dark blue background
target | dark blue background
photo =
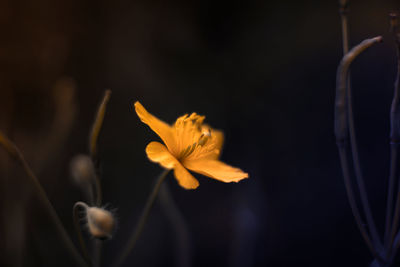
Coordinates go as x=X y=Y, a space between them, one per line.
x=262 y=71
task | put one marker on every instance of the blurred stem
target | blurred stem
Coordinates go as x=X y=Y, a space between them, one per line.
x=14 y=152
x=93 y=140
x=352 y=201
x=181 y=231
x=395 y=247
x=97 y=189
x=394 y=138
x=94 y=135
x=353 y=140
x=75 y=214
x=389 y=205
x=142 y=220
x=344 y=10
x=342 y=132
x=98 y=122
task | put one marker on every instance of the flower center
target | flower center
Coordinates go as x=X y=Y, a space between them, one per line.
x=201 y=141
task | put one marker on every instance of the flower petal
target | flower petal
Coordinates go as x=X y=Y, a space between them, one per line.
x=219 y=137
x=219 y=141
x=185 y=179
x=159 y=127
x=216 y=169
x=157 y=152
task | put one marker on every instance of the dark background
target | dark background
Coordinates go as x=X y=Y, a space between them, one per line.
x=262 y=71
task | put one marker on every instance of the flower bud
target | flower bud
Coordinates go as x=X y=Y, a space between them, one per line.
x=100 y=222
x=82 y=169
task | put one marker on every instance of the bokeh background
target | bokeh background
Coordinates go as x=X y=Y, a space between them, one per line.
x=262 y=71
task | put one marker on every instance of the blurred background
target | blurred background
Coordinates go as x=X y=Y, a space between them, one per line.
x=261 y=71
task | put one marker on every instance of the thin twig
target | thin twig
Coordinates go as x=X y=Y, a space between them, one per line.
x=142 y=220
x=352 y=201
x=394 y=143
x=75 y=215
x=341 y=133
x=344 y=10
x=179 y=225
x=396 y=245
x=93 y=137
x=14 y=152
x=341 y=122
x=353 y=140
x=389 y=204
x=98 y=122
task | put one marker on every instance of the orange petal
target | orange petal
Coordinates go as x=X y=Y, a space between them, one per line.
x=185 y=179
x=159 y=127
x=219 y=140
x=159 y=153
x=219 y=137
x=216 y=169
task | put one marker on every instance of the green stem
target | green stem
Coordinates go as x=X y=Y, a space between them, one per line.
x=142 y=221
x=13 y=151
x=179 y=225
x=98 y=122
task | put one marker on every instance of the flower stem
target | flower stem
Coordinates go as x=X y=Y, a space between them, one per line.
x=98 y=122
x=14 y=152
x=342 y=132
x=395 y=247
x=174 y=215
x=75 y=215
x=352 y=201
x=142 y=220
x=353 y=140
x=93 y=137
x=96 y=186
x=389 y=204
x=391 y=230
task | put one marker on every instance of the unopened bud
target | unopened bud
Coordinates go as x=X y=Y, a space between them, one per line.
x=100 y=222
x=82 y=169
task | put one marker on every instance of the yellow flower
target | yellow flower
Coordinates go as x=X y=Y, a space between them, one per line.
x=189 y=144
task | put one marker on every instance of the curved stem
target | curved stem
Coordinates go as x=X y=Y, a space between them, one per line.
x=75 y=215
x=98 y=122
x=359 y=175
x=93 y=137
x=142 y=221
x=352 y=201
x=341 y=115
x=344 y=120
x=16 y=154
x=395 y=139
x=389 y=204
x=181 y=231
x=395 y=247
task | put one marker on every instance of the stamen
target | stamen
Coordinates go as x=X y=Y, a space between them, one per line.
x=205 y=136
x=187 y=151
